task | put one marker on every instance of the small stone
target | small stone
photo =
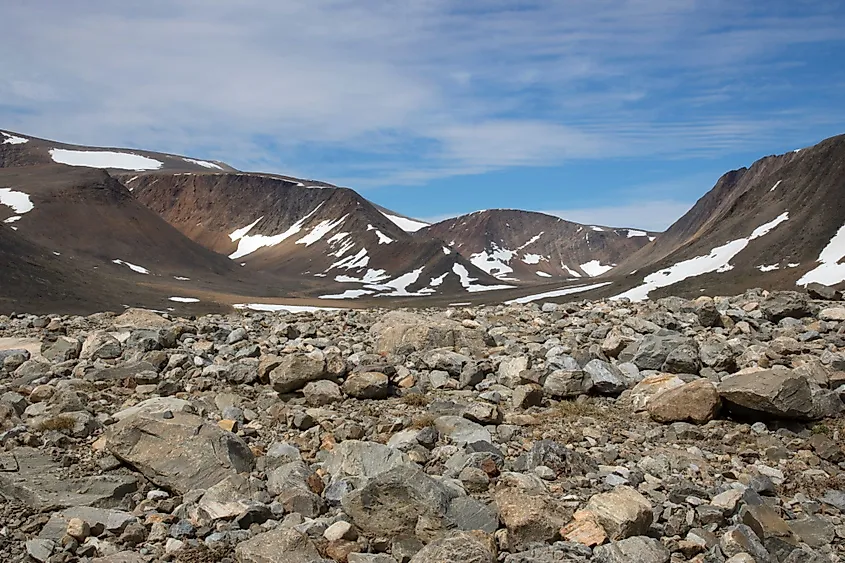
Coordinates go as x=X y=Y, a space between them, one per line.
x=623 y=512
x=78 y=529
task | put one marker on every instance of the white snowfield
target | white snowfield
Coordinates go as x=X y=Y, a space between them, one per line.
x=271 y=307
x=133 y=267
x=407 y=225
x=348 y=294
x=556 y=293
x=247 y=244
x=18 y=201
x=635 y=233
x=184 y=299
x=105 y=159
x=595 y=268
x=496 y=262
x=203 y=163
x=829 y=271
x=13 y=139
x=717 y=261
x=469 y=283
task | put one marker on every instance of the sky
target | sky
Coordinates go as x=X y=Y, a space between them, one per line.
x=611 y=112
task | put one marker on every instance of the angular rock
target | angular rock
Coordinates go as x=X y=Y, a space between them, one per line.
x=366 y=385
x=322 y=393
x=653 y=350
x=469 y=547
x=640 y=549
x=354 y=458
x=460 y=430
x=584 y=529
x=652 y=386
x=181 y=453
x=623 y=512
x=564 y=384
x=604 y=378
x=778 y=393
x=296 y=370
x=282 y=545
x=40 y=483
x=400 y=330
x=783 y=304
x=697 y=402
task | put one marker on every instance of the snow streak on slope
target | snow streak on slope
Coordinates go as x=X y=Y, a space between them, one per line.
x=105 y=159
x=570 y=271
x=271 y=307
x=717 y=261
x=595 y=268
x=557 y=293
x=247 y=244
x=494 y=262
x=469 y=283
x=829 y=271
x=203 y=163
x=407 y=225
x=184 y=299
x=13 y=140
x=322 y=228
x=382 y=238
x=133 y=267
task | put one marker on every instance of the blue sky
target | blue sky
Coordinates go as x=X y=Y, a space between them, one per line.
x=617 y=112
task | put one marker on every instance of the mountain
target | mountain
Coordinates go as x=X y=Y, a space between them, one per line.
x=525 y=246
x=348 y=247
x=778 y=224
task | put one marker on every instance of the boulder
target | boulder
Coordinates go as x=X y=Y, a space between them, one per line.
x=38 y=481
x=622 y=513
x=697 y=402
x=294 y=371
x=180 y=453
x=638 y=549
x=604 y=378
x=61 y=350
x=399 y=330
x=776 y=393
x=282 y=545
x=322 y=393
x=366 y=385
x=141 y=318
x=654 y=349
x=564 y=384
x=100 y=345
x=469 y=547
x=392 y=503
x=354 y=458
x=783 y=304
x=460 y=430
x=652 y=386
x=530 y=515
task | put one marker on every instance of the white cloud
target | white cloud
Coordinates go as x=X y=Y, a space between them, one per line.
x=440 y=88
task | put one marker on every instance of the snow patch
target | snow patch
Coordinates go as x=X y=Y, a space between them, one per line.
x=203 y=163
x=543 y=274
x=635 y=233
x=105 y=159
x=446 y=251
x=372 y=276
x=532 y=240
x=717 y=261
x=181 y=278
x=353 y=262
x=599 y=229
x=407 y=225
x=13 y=140
x=776 y=185
x=18 y=201
x=348 y=294
x=557 y=293
x=533 y=258
x=133 y=267
x=595 y=268
x=382 y=238
x=321 y=229
x=829 y=271
x=184 y=299
x=768 y=268
x=468 y=282
x=12 y=219
x=271 y=307
x=570 y=271
x=494 y=262
x=247 y=244
x=438 y=280
x=239 y=233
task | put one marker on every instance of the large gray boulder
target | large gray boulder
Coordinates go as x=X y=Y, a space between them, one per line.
x=354 y=458
x=180 y=453
x=282 y=545
x=654 y=349
x=783 y=304
x=399 y=330
x=604 y=378
x=297 y=370
x=393 y=502
x=777 y=393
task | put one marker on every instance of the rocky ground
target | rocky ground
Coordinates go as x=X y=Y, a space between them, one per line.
x=675 y=430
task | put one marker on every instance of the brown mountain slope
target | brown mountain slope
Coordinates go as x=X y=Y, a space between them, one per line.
x=762 y=226
x=528 y=246
x=282 y=226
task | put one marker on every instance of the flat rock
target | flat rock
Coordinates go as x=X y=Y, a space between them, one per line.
x=638 y=549
x=181 y=453
x=461 y=430
x=398 y=330
x=282 y=545
x=43 y=485
x=623 y=512
x=697 y=402
x=778 y=393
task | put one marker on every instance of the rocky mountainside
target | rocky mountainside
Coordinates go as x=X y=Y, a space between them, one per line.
x=776 y=224
x=519 y=245
x=323 y=233
x=598 y=432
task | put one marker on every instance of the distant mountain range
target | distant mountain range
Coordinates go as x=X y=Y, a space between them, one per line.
x=85 y=229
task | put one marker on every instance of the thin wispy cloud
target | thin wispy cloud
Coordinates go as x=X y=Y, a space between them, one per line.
x=386 y=93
